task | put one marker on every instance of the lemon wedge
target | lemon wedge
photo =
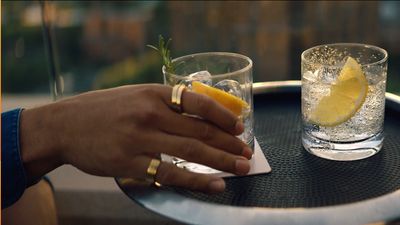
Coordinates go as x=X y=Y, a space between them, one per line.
x=231 y=102
x=346 y=97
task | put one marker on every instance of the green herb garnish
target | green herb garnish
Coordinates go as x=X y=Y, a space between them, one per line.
x=165 y=53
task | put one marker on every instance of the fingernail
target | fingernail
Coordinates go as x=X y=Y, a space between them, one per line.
x=217 y=185
x=247 y=152
x=239 y=127
x=242 y=166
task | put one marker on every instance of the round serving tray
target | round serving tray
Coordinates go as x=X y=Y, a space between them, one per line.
x=302 y=188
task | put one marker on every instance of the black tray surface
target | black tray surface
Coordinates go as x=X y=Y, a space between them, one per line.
x=299 y=179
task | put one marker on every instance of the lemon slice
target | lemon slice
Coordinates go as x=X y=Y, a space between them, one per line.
x=346 y=97
x=231 y=102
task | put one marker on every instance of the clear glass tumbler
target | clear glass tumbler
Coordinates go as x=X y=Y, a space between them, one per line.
x=343 y=112
x=229 y=72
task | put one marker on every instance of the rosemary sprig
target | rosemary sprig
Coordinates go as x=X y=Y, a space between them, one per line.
x=165 y=53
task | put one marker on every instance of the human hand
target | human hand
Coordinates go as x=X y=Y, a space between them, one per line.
x=116 y=132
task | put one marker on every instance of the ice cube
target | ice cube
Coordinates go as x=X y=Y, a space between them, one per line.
x=202 y=76
x=230 y=86
x=187 y=83
x=328 y=75
x=310 y=76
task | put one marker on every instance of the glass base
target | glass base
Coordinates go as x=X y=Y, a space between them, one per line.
x=340 y=151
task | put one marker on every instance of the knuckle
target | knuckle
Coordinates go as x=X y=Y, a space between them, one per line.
x=238 y=146
x=203 y=103
x=227 y=162
x=150 y=114
x=147 y=91
x=190 y=149
x=206 y=132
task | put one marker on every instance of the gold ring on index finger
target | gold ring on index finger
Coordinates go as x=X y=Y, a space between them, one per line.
x=152 y=171
x=176 y=97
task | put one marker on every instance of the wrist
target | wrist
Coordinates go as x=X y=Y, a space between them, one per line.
x=39 y=141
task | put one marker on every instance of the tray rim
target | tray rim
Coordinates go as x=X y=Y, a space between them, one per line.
x=178 y=207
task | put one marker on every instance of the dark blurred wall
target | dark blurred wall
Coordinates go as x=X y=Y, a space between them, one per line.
x=272 y=33
x=102 y=43
x=257 y=29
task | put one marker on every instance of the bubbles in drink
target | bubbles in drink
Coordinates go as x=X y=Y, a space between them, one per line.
x=328 y=75
x=230 y=86
x=366 y=122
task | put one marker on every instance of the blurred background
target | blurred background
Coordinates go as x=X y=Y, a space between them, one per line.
x=102 y=44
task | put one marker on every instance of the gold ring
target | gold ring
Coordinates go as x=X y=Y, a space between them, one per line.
x=152 y=171
x=176 y=97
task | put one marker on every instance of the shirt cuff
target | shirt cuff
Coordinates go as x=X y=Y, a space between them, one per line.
x=13 y=178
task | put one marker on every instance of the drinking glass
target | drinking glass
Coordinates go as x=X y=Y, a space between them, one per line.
x=361 y=134
x=229 y=72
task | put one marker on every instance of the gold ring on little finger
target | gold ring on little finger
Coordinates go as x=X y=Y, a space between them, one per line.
x=152 y=171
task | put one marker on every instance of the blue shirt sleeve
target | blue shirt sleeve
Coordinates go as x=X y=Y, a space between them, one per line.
x=13 y=178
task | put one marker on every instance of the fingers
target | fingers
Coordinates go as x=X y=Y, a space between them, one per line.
x=212 y=135
x=207 y=108
x=210 y=110
x=196 y=151
x=171 y=175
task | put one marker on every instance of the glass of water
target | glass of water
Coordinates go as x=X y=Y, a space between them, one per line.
x=229 y=72
x=343 y=100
